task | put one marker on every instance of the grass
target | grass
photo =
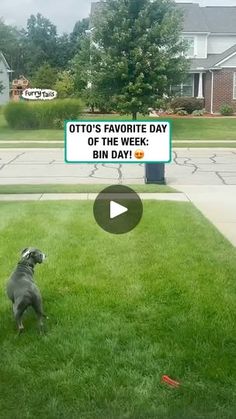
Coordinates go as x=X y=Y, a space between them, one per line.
x=82 y=188
x=7 y=133
x=208 y=129
x=124 y=310
x=204 y=129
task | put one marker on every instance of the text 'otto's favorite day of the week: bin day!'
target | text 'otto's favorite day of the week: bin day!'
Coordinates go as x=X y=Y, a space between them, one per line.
x=117 y=142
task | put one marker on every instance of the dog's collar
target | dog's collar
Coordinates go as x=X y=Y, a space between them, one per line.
x=26 y=263
x=31 y=266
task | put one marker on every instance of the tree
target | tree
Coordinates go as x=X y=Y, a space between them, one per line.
x=84 y=76
x=42 y=33
x=78 y=33
x=43 y=45
x=64 y=51
x=65 y=85
x=80 y=66
x=26 y=49
x=79 y=29
x=45 y=77
x=40 y=42
x=141 y=52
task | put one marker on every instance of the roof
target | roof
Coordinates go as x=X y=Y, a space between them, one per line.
x=194 y=18
x=4 y=60
x=221 y=19
x=212 y=60
x=213 y=19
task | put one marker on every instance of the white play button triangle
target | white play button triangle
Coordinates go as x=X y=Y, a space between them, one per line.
x=116 y=209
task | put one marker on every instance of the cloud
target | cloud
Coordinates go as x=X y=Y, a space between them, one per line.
x=62 y=13
x=65 y=13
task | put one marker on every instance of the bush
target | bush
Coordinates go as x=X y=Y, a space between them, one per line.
x=41 y=115
x=198 y=112
x=226 y=110
x=162 y=104
x=169 y=111
x=182 y=112
x=189 y=104
x=19 y=115
x=58 y=124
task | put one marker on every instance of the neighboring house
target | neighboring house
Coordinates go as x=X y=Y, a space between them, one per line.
x=211 y=34
x=4 y=79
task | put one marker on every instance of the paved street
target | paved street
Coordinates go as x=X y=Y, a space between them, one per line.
x=189 y=167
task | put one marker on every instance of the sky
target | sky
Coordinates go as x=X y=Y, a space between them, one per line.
x=63 y=13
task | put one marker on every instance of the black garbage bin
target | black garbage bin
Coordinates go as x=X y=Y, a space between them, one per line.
x=155 y=173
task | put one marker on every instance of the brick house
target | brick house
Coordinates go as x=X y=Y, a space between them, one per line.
x=211 y=34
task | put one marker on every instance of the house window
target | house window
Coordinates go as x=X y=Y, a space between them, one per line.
x=191 y=45
x=184 y=89
x=234 y=87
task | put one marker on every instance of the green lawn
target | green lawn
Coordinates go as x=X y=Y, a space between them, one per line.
x=183 y=129
x=82 y=188
x=124 y=310
x=7 y=133
x=209 y=129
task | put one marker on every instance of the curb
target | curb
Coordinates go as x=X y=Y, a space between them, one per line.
x=174 y=197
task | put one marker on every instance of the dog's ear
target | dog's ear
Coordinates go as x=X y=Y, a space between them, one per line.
x=25 y=253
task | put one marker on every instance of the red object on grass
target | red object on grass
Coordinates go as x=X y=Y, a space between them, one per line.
x=168 y=380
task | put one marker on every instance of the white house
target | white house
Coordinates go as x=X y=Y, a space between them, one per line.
x=211 y=33
x=4 y=79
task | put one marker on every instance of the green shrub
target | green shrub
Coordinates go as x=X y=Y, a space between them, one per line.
x=226 y=110
x=189 y=104
x=169 y=111
x=162 y=104
x=58 y=124
x=182 y=112
x=198 y=112
x=41 y=115
x=19 y=115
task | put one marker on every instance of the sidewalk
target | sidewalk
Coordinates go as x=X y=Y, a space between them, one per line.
x=218 y=204
x=88 y=196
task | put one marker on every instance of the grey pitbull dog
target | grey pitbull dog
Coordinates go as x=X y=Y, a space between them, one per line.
x=21 y=288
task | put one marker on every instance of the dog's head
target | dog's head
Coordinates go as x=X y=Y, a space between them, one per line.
x=33 y=254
